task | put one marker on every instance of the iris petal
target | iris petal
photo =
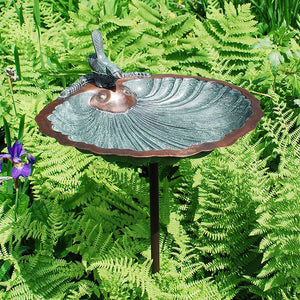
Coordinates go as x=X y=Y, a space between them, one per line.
x=5 y=156
x=23 y=152
x=31 y=159
x=16 y=160
x=23 y=171
x=16 y=149
x=12 y=150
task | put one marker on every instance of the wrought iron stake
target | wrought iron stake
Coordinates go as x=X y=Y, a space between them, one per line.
x=154 y=215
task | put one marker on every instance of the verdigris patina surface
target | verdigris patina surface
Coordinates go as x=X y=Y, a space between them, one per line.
x=166 y=113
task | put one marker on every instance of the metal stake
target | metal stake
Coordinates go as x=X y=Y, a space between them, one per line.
x=154 y=216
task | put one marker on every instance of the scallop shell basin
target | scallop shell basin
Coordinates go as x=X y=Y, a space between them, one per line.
x=173 y=116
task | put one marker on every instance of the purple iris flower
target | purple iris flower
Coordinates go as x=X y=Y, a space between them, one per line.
x=14 y=155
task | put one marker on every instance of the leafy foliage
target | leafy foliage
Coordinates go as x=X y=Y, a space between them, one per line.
x=231 y=35
x=229 y=221
x=273 y=14
x=278 y=221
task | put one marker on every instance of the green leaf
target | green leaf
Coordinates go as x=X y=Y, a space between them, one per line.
x=36 y=13
x=275 y=59
x=23 y=203
x=17 y=60
x=264 y=43
x=109 y=7
x=7 y=132
x=19 y=12
x=21 y=128
x=6 y=266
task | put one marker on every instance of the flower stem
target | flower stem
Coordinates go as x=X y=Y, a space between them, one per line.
x=17 y=198
x=12 y=94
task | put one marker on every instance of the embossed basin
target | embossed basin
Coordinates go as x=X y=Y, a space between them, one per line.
x=171 y=116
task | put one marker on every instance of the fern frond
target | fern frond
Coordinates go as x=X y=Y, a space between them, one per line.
x=226 y=211
x=151 y=15
x=129 y=272
x=6 y=219
x=18 y=289
x=60 y=168
x=278 y=215
x=89 y=240
x=232 y=35
x=59 y=277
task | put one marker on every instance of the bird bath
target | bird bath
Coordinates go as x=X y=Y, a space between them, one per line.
x=158 y=117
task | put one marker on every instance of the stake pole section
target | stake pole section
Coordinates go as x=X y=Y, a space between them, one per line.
x=154 y=216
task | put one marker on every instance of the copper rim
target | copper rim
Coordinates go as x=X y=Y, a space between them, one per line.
x=45 y=127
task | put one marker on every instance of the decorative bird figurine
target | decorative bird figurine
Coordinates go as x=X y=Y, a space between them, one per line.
x=105 y=73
